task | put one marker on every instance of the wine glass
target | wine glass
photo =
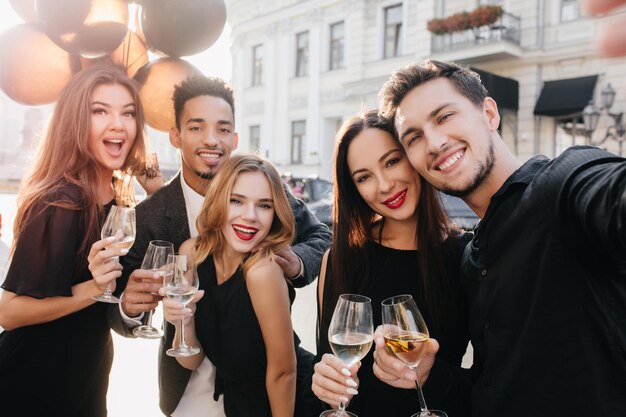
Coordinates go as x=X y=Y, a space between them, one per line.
x=155 y=260
x=406 y=334
x=180 y=285
x=120 y=222
x=350 y=335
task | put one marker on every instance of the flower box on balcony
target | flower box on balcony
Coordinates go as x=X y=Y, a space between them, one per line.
x=482 y=16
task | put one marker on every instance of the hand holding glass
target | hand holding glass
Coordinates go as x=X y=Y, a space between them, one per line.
x=180 y=286
x=406 y=335
x=155 y=259
x=350 y=335
x=120 y=222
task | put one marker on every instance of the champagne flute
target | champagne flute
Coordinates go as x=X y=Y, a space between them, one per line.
x=155 y=259
x=350 y=335
x=406 y=334
x=180 y=286
x=120 y=222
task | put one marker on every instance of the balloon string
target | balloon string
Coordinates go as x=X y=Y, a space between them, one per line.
x=127 y=52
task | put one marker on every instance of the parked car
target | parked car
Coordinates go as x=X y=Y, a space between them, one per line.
x=459 y=212
x=317 y=194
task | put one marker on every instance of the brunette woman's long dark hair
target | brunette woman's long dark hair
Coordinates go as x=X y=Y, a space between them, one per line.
x=64 y=156
x=353 y=221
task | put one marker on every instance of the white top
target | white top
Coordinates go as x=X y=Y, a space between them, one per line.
x=197 y=400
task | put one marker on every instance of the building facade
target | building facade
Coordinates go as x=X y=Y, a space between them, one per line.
x=301 y=67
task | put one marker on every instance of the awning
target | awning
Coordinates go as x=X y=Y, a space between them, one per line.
x=505 y=91
x=566 y=97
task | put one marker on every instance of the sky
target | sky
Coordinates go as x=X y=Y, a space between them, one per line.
x=215 y=61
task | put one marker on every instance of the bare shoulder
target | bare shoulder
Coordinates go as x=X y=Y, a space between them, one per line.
x=265 y=272
x=188 y=246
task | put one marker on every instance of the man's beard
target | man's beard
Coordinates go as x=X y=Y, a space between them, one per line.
x=209 y=175
x=483 y=171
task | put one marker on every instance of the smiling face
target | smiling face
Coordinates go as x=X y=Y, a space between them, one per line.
x=383 y=175
x=113 y=127
x=206 y=138
x=448 y=139
x=250 y=212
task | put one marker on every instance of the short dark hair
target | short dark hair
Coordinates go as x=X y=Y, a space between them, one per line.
x=402 y=81
x=199 y=85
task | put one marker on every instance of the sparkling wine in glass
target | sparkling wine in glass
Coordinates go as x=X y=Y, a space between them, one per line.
x=350 y=335
x=120 y=222
x=180 y=286
x=155 y=260
x=406 y=334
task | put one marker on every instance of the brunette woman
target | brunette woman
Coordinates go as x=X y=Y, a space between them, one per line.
x=390 y=237
x=56 y=352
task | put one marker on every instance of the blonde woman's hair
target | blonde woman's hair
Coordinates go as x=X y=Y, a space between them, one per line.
x=214 y=213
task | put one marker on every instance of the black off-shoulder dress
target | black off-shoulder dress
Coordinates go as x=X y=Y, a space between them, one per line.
x=58 y=368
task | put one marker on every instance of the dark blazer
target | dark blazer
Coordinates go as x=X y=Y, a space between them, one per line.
x=164 y=216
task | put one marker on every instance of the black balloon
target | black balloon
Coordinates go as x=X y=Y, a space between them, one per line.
x=182 y=27
x=25 y=9
x=90 y=28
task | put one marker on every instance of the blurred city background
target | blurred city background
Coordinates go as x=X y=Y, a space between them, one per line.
x=301 y=67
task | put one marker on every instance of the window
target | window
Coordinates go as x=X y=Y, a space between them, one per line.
x=255 y=138
x=302 y=54
x=570 y=10
x=393 y=31
x=337 y=37
x=298 y=134
x=257 y=65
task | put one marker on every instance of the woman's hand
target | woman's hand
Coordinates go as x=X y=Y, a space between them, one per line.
x=175 y=312
x=334 y=382
x=151 y=178
x=393 y=371
x=103 y=265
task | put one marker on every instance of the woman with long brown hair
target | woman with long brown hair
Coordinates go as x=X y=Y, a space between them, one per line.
x=390 y=237
x=56 y=352
x=242 y=322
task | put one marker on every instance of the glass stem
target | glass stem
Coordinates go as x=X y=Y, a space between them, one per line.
x=108 y=291
x=420 y=395
x=341 y=410
x=149 y=318
x=182 y=344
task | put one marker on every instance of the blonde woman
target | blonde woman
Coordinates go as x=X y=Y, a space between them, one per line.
x=242 y=322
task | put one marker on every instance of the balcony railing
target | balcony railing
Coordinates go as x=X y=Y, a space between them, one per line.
x=506 y=28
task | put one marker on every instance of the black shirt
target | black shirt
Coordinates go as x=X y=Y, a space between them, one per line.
x=393 y=272
x=546 y=275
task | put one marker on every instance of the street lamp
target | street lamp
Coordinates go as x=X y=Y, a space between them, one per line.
x=591 y=117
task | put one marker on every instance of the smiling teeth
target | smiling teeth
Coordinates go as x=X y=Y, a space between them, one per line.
x=114 y=140
x=396 y=200
x=244 y=230
x=450 y=161
x=209 y=155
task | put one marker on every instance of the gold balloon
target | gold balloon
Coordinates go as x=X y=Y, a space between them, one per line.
x=33 y=70
x=158 y=79
x=131 y=55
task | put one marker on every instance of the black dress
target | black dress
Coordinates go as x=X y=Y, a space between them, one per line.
x=59 y=368
x=230 y=334
x=394 y=272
